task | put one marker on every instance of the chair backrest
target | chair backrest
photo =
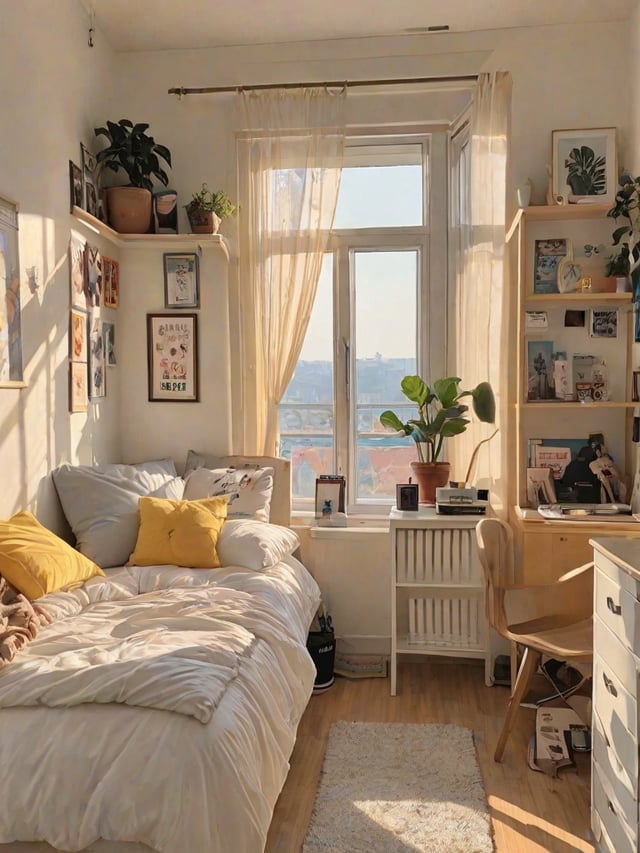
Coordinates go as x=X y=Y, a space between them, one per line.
x=495 y=549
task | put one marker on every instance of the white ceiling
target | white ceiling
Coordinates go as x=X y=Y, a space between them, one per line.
x=132 y=25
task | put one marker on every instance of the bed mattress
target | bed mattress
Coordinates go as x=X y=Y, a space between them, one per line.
x=126 y=772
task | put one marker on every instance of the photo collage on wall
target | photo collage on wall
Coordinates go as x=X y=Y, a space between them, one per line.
x=94 y=286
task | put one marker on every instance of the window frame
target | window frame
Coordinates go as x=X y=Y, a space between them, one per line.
x=429 y=240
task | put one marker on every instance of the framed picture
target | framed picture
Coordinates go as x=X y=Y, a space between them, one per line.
x=547 y=258
x=603 y=324
x=181 y=280
x=11 y=369
x=78 y=397
x=584 y=165
x=75 y=185
x=89 y=191
x=109 y=332
x=540 y=371
x=97 y=372
x=407 y=497
x=93 y=276
x=330 y=494
x=78 y=336
x=77 y=272
x=110 y=282
x=172 y=355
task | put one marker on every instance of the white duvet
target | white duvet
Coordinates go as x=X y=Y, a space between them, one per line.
x=172 y=698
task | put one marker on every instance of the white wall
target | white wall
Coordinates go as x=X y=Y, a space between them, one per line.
x=51 y=95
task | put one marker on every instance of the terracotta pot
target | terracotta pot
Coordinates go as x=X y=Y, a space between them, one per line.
x=129 y=209
x=430 y=476
x=203 y=221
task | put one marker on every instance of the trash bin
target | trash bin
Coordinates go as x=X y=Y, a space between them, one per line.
x=322 y=648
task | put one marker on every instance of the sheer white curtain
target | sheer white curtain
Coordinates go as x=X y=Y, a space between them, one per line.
x=289 y=164
x=483 y=340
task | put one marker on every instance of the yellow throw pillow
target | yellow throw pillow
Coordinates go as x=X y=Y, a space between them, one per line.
x=180 y=533
x=36 y=561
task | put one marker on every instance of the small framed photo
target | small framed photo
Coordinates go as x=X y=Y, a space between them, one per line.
x=181 y=280
x=584 y=167
x=78 y=336
x=78 y=397
x=603 y=324
x=172 y=354
x=77 y=271
x=330 y=496
x=109 y=332
x=407 y=497
x=89 y=191
x=110 y=282
x=75 y=185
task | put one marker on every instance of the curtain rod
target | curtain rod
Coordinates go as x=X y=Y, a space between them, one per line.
x=181 y=90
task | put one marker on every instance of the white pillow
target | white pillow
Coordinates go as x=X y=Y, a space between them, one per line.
x=101 y=504
x=254 y=544
x=250 y=489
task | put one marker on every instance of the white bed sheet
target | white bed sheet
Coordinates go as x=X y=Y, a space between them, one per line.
x=71 y=776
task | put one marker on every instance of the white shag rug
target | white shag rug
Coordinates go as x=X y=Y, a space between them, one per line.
x=399 y=788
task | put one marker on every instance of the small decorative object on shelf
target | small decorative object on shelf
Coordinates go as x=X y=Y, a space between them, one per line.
x=330 y=501
x=407 y=496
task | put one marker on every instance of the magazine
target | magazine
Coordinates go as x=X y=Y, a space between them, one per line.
x=548 y=254
x=555 y=458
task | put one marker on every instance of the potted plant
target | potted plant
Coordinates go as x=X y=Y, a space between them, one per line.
x=627 y=237
x=441 y=414
x=618 y=266
x=138 y=154
x=207 y=209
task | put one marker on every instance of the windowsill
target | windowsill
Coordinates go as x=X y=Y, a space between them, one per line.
x=355 y=524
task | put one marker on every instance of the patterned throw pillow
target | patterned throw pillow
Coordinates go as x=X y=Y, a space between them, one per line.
x=250 y=489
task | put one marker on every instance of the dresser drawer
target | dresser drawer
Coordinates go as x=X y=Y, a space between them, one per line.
x=611 y=699
x=609 y=768
x=621 y=578
x=609 y=813
x=621 y=663
x=618 y=607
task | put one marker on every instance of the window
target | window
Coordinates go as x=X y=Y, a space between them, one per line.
x=369 y=325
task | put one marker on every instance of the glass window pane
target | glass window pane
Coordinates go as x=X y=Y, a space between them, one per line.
x=386 y=305
x=307 y=408
x=380 y=186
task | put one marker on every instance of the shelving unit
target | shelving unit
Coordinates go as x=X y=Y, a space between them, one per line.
x=437 y=592
x=159 y=241
x=549 y=548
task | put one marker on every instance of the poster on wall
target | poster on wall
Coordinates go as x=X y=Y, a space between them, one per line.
x=76 y=271
x=78 y=336
x=172 y=355
x=10 y=306
x=78 y=395
x=97 y=372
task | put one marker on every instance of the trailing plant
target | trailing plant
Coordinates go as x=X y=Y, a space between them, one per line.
x=627 y=237
x=441 y=414
x=134 y=151
x=217 y=202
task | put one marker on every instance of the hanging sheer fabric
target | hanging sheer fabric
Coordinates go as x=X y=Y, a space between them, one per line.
x=483 y=340
x=289 y=164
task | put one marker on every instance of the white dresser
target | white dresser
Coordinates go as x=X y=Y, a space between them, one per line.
x=437 y=591
x=616 y=671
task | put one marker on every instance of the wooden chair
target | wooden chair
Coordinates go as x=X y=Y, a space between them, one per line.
x=553 y=620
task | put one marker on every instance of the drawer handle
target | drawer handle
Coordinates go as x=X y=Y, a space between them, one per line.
x=616 y=609
x=611 y=806
x=608 y=683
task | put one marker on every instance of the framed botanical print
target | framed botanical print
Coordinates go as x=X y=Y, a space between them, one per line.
x=181 y=280
x=584 y=165
x=11 y=369
x=172 y=356
x=78 y=349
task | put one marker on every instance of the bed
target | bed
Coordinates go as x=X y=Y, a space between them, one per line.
x=158 y=709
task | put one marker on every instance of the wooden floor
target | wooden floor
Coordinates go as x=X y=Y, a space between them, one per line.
x=530 y=811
